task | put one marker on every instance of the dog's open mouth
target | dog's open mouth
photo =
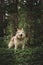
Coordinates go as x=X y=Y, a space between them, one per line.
x=20 y=38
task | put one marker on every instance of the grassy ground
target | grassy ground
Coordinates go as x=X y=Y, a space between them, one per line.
x=28 y=56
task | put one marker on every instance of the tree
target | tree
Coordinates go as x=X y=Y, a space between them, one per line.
x=1 y=19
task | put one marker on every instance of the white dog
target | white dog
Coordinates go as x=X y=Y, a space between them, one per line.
x=18 y=39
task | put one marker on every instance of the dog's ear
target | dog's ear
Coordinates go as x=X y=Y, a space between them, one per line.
x=22 y=28
x=17 y=29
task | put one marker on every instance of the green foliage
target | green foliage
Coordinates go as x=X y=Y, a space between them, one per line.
x=28 y=56
x=6 y=57
x=2 y=44
x=9 y=28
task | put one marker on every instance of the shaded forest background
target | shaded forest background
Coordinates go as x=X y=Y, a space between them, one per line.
x=17 y=14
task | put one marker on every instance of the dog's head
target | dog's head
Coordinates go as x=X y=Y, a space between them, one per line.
x=20 y=33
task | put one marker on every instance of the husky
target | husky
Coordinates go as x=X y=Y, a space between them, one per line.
x=18 y=39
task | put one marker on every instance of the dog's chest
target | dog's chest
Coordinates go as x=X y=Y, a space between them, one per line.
x=19 y=41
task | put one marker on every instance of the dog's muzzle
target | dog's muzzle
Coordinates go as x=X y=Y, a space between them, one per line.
x=21 y=35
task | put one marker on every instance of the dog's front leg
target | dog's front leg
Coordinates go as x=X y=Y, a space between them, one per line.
x=23 y=46
x=16 y=47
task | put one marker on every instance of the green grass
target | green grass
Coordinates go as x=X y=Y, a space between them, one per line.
x=28 y=56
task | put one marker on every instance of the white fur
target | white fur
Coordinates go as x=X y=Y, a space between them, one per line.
x=17 y=40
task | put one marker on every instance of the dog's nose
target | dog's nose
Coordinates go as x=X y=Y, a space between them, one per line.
x=21 y=35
